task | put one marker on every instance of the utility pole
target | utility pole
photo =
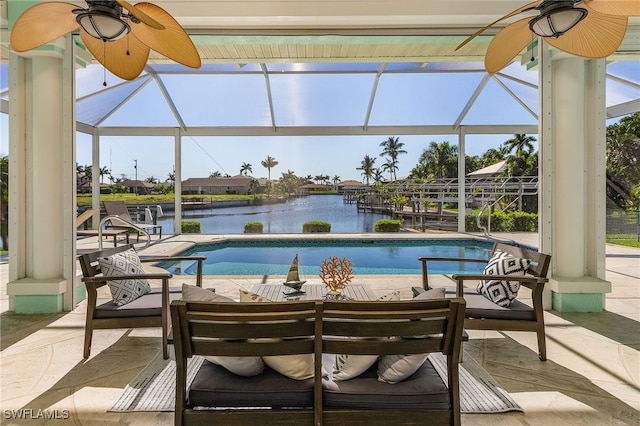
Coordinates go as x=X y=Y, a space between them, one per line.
x=135 y=166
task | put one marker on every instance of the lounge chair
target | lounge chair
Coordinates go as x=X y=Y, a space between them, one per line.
x=119 y=209
x=82 y=219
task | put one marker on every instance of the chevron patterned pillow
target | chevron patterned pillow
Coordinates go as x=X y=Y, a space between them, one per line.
x=498 y=291
x=124 y=263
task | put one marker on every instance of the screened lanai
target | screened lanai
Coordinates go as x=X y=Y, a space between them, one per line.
x=286 y=69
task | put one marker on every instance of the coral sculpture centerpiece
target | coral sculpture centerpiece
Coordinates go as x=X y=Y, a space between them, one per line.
x=336 y=273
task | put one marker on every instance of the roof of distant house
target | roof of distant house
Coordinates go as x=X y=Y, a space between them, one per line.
x=492 y=170
x=238 y=180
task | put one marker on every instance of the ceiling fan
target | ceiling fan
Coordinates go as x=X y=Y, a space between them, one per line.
x=587 y=28
x=119 y=35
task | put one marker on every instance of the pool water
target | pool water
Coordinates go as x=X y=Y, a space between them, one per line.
x=376 y=257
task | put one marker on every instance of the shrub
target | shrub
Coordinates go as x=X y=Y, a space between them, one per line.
x=517 y=221
x=253 y=228
x=316 y=226
x=190 y=227
x=387 y=225
x=524 y=222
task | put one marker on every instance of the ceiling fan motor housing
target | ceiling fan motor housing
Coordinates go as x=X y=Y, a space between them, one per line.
x=556 y=18
x=103 y=20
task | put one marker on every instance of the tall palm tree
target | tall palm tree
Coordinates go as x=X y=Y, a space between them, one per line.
x=392 y=147
x=335 y=179
x=268 y=164
x=104 y=171
x=246 y=168
x=366 y=165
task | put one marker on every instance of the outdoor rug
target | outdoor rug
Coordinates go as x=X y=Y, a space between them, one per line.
x=154 y=388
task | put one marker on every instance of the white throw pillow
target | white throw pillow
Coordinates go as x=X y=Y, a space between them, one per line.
x=192 y=293
x=432 y=293
x=503 y=292
x=395 y=368
x=347 y=366
x=240 y=365
x=298 y=367
x=124 y=263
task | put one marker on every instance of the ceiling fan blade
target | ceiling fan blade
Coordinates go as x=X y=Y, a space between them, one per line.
x=507 y=44
x=597 y=36
x=113 y=55
x=614 y=7
x=140 y=15
x=173 y=42
x=507 y=16
x=41 y=24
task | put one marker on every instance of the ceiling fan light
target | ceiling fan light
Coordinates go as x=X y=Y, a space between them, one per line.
x=557 y=21
x=103 y=23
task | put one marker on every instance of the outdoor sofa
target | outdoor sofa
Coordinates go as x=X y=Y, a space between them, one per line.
x=288 y=333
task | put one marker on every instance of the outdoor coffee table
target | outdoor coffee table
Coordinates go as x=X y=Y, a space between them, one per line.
x=275 y=292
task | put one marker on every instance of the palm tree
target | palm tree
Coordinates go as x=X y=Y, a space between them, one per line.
x=268 y=164
x=336 y=180
x=440 y=159
x=377 y=176
x=390 y=167
x=392 y=147
x=519 y=143
x=246 y=168
x=366 y=165
x=215 y=174
x=104 y=171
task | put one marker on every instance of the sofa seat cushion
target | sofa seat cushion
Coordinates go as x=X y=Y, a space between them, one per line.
x=423 y=390
x=479 y=306
x=148 y=305
x=215 y=386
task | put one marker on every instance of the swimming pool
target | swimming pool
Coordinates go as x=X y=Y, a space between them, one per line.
x=376 y=257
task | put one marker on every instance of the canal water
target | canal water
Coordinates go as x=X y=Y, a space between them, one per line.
x=282 y=218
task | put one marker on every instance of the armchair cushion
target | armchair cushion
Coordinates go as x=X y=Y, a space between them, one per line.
x=147 y=305
x=502 y=292
x=124 y=263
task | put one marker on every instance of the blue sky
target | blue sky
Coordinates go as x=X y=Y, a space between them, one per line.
x=320 y=100
x=305 y=100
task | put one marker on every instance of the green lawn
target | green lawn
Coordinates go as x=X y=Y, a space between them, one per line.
x=85 y=199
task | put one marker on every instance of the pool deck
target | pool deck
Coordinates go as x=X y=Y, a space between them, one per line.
x=591 y=377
